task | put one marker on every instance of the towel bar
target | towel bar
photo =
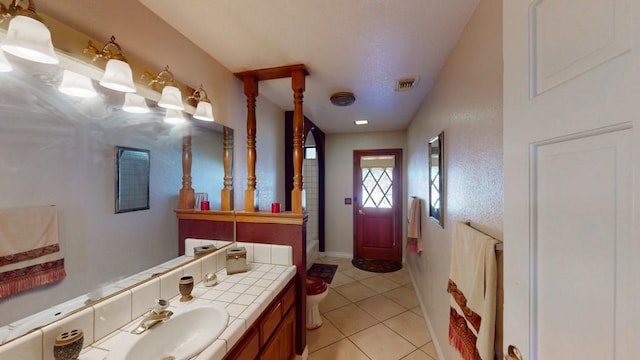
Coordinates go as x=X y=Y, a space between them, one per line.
x=499 y=246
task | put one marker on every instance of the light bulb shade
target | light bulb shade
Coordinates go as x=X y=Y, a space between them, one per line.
x=174 y=117
x=118 y=76
x=29 y=39
x=76 y=85
x=171 y=98
x=5 y=65
x=204 y=111
x=135 y=103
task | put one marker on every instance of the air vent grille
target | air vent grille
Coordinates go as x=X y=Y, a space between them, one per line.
x=406 y=84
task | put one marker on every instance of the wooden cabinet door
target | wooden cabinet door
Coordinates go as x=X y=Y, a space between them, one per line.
x=282 y=345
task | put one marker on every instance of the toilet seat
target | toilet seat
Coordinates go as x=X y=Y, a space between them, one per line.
x=315 y=285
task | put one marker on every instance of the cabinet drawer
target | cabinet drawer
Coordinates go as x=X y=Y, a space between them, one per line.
x=288 y=298
x=248 y=348
x=270 y=322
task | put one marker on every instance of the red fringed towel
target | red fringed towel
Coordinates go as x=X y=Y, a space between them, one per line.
x=30 y=253
x=473 y=286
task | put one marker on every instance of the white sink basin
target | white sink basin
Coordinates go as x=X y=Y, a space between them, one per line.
x=182 y=336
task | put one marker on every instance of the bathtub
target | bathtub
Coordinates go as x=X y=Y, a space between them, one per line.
x=313 y=251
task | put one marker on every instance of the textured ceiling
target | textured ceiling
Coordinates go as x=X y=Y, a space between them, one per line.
x=362 y=46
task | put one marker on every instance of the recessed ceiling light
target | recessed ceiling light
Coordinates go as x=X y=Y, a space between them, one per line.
x=361 y=122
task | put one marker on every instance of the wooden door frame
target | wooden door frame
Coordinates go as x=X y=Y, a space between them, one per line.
x=397 y=197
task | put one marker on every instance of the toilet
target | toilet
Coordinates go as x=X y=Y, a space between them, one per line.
x=317 y=290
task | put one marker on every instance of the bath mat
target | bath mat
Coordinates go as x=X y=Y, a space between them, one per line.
x=377 y=265
x=323 y=271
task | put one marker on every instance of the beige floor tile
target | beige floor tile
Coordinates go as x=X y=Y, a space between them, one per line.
x=341 y=350
x=340 y=279
x=359 y=274
x=430 y=350
x=379 y=284
x=333 y=301
x=350 y=319
x=404 y=296
x=417 y=355
x=401 y=276
x=381 y=343
x=410 y=326
x=355 y=291
x=343 y=263
x=418 y=311
x=381 y=307
x=323 y=336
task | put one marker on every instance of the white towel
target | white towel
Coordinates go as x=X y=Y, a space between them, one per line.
x=30 y=253
x=473 y=286
x=414 y=231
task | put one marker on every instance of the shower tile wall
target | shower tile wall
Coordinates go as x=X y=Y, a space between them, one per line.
x=310 y=178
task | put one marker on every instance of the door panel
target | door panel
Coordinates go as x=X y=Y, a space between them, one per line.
x=571 y=160
x=377 y=204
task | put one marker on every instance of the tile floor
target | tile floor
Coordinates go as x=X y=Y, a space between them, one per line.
x=370 y=316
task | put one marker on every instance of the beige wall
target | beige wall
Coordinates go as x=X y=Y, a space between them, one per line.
x=465 y=103
x=339 y=183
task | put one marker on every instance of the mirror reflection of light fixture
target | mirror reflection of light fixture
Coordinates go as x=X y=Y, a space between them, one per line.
x=174 y=117
x=27 y=37
x=117 y=73
x=75 y=84
x=5 y=65
x=171 y=96
x=135 y=103
x=204 y=111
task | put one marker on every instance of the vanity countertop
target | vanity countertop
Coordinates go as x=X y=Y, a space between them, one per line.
x=244 y=295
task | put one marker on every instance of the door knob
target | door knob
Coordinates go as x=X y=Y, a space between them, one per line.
x=514 y=353
x=360 y=212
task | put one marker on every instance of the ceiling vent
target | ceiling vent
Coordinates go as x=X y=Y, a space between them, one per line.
x=343 y=98
x=406 y=84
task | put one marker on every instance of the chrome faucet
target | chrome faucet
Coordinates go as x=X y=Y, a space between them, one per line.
x=156 y=315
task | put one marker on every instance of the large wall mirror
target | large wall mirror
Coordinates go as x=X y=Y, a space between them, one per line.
x=436 y=178
x=59 y=150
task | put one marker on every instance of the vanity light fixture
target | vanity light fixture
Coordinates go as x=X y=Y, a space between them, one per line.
x=117 y=73
x=174 y=117
x=171 y=96
x=135 y=103
x=361 y=122
x=75 y=84
x=27 y=37
x=5 y=65
x=204 y=111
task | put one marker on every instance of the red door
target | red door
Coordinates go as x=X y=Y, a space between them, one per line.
x=377 y=188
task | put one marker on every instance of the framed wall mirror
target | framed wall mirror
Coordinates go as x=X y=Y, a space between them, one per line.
x=132 y=179
x=436 y=178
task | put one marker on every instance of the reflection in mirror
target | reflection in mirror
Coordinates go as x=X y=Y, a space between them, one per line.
x=59 y=150
x=436 y=190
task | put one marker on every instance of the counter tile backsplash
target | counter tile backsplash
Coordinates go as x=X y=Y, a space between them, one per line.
x=245 y=297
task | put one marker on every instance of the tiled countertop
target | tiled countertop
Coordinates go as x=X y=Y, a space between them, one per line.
x=244 y=295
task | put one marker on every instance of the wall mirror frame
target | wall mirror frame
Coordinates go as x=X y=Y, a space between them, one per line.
x=436 y=178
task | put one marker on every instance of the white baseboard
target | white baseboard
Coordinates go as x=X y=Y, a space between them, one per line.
x=305 y=354
x=337 y=254
x=436 y=344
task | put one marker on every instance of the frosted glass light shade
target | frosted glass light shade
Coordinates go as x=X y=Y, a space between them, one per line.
x=174 y=117
x=5 y=65
x=118 y=76
x=75 y=84
x=29 y=39
x=204 y=111
x=171 y=98
x=135 y=103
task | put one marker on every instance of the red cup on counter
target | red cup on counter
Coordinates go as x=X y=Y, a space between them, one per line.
x=204 y=205
x=275 y=207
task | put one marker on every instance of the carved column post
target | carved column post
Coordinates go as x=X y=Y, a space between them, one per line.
x=187 y=196
x=298 y=86
x=251 y=92
x=227 y=193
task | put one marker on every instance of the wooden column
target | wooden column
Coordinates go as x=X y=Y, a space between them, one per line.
x=187 y=197
x=251 y=92
x=297 y=84
x=226 y=195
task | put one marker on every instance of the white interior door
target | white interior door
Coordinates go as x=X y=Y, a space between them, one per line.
x=571 y=153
